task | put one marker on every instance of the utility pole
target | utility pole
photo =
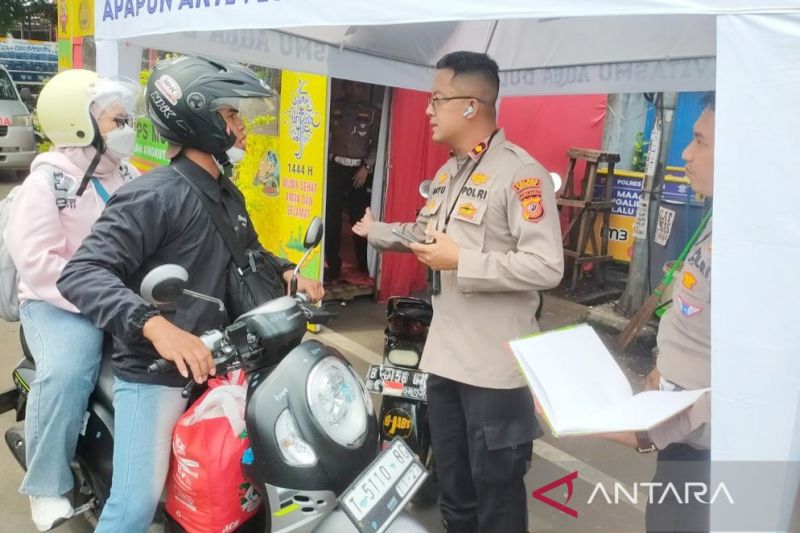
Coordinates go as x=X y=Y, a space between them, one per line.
x=637 y=288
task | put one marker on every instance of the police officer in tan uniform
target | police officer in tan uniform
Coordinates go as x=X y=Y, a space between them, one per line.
x=684 y=362
x=494 y=242
x=355 y=124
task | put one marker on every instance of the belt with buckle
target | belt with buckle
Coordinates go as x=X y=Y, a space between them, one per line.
x=347 y=161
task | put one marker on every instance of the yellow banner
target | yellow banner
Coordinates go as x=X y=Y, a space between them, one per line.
x=620 y=236
x=304 y=132
x=258 y=178
x=283 y=174
x=64 y=20
x=75 y=18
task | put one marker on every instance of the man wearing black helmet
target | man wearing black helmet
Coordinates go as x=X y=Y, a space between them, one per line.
x=194 y=104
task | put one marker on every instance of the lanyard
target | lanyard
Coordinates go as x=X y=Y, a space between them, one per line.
x=471 y=172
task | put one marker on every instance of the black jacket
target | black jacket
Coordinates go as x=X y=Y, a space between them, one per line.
x=153 y=220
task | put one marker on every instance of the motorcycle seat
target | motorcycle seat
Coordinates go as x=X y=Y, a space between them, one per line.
x=104 y=390
x=26 y=352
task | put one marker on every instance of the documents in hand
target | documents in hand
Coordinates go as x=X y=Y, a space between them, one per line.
x=582 y=390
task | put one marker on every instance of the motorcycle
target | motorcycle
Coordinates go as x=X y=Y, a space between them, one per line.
x=311 y=423
x=404 y=406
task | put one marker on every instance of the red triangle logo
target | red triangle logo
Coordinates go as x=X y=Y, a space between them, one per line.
x=539 y=494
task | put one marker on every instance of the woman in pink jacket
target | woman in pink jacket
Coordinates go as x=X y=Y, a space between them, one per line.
x=89 y=119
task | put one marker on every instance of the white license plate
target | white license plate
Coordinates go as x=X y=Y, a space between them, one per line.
x=400 y=382
x=376 y=497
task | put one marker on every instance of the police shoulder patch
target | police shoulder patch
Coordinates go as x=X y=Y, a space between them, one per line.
x=529 y=193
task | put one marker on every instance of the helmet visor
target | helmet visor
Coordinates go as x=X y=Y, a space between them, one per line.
x=119 y=98
x=259 y=114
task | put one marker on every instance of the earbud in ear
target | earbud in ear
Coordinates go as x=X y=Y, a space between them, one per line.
x=470 y=110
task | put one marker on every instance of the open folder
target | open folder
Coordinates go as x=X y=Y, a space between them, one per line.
x=582 y=390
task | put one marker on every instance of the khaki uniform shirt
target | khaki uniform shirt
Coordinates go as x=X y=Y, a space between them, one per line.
x=354 y=130
x=684 y=346
x=505 y=221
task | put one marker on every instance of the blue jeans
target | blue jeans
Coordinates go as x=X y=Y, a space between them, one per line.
x=144 y=417
x=67 y=350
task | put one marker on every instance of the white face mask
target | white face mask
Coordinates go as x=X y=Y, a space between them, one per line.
x=120 y=142
x=235 y=154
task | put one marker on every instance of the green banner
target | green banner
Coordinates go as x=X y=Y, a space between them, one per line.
x=150 y=149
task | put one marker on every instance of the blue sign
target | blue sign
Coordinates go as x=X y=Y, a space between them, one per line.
x=624 y=192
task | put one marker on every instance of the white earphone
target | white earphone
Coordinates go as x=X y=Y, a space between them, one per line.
x=470 y=110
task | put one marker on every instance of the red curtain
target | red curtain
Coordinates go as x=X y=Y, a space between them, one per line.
x=413 y=158
x=545 y=126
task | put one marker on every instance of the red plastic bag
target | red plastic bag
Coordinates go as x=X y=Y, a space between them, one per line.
x=206 y=489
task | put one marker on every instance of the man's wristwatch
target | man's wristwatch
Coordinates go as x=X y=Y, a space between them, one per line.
x=644 y=444
x=368 y=167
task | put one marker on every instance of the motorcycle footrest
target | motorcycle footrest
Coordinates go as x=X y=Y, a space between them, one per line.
x=15 y=440
x=86 y=507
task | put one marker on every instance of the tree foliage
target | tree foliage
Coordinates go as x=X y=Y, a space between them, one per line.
x=25 y=12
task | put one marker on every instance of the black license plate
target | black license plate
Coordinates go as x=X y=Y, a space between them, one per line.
x=399 y=382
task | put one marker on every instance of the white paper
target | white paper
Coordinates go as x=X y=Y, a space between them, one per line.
x=666 y=217
x=582 y=390
x=638 y=413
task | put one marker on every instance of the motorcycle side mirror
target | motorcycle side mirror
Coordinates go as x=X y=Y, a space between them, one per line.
x=164 y=284
x=557 y=182
x=313 y=233
x=425 y=188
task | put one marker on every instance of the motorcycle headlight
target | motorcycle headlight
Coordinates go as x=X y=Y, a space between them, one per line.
x=407 y=358
x=295 y=450
x=337 y=402
x=365 y=393
x=22 y=120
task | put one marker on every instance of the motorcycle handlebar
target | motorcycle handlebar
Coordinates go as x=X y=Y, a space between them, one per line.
x=321 y=317
x=211 y=339
x=160 y=366
x=312 y=313
x=301 y=297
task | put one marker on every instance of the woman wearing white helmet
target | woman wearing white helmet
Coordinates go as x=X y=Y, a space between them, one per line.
x=89 y=119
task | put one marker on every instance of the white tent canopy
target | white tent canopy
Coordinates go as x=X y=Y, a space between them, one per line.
x=748 y=50
x=536 y=56
x=542 y=47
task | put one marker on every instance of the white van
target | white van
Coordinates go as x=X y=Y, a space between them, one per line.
x=17 y=142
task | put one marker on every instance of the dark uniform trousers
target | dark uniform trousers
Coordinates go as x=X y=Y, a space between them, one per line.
x=482 y=444
x=341 y=193
x=679 y=464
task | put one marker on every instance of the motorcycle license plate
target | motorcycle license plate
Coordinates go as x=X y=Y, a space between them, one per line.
x=399 y=382
x=381 y=491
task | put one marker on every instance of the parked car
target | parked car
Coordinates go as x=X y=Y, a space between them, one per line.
x=17 y=141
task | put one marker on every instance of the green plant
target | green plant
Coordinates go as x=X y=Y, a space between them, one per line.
x=639 y=158
x=43 y=144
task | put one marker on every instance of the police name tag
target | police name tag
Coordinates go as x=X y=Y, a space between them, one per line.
x=400 y=382
x=378 y=495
